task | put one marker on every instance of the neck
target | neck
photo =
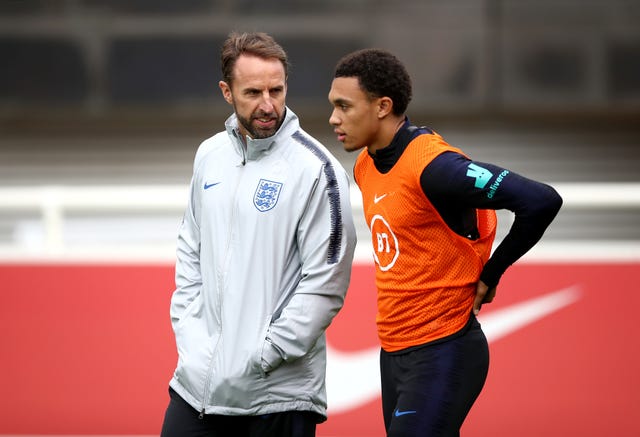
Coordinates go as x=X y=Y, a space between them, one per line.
x=388 y=129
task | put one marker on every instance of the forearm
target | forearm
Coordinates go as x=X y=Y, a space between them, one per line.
x=529 y=225
x=326 y=240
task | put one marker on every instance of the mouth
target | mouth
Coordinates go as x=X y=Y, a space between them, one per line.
x=341 y=135
x=265 y=122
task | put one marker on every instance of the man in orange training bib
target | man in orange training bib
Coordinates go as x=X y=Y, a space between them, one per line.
x=430 y=209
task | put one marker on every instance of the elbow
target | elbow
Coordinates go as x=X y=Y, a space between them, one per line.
x=547 y=204
x=548 y=201
x=555 y=201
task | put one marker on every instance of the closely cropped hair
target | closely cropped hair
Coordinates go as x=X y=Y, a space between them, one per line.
x=380 y=74
x=257 y=44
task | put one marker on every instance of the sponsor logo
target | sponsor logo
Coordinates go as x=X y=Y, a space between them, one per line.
x=481 y=175
x=399 y=413
x=494 y=186
x=207 y=186
x=266 y=195
x=377 y=199
x=385 y=243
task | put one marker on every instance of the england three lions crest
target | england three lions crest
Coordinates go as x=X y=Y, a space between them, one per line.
x=267 y=194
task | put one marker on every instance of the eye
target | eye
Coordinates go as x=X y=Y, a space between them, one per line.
x=340 y=104
x=252 y=92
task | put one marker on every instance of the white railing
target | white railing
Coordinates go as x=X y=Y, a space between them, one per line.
x=91 y=222
x=59 y=223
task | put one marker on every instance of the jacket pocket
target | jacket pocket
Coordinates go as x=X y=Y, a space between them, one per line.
x=195 y=348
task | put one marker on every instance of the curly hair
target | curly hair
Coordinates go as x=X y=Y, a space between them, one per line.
x=380 y=74
x=257 y=44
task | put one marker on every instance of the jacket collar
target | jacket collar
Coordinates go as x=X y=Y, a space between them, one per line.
x=257 y=147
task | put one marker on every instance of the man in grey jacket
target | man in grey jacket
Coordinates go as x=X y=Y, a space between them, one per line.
x=263 y=263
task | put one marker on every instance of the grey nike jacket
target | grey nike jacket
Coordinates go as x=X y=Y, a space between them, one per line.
x=264 y=258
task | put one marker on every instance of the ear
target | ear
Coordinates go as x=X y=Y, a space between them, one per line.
x=226 y=91
x=385 y=107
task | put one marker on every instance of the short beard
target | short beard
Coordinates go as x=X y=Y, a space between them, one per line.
x=258 y=134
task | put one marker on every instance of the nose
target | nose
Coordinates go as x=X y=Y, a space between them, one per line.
x=333 y=119
x=266 y=103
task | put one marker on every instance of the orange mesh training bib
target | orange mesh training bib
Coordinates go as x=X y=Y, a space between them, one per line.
x=426 y=274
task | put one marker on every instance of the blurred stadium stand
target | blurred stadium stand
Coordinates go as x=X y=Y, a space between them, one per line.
x=121 y=92
x=103 y=56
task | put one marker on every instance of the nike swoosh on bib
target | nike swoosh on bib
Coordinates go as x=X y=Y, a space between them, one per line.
x=353 y=378
x=377 y=199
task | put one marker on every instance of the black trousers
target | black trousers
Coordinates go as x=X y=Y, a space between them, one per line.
x=427 y=391
x=182 y=420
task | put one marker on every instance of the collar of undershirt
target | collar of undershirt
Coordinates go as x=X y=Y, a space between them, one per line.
x=384 y=159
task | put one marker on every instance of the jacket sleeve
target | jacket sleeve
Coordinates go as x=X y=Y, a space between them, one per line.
x=188 y=276
x=326 y=239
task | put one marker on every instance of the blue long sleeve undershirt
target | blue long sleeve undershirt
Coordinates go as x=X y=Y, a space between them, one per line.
x=451 y=187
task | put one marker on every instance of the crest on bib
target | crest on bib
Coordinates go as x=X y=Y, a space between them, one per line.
x=267 y=194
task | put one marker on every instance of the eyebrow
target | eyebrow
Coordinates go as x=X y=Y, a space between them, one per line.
x=340 y=101
x=259 y=90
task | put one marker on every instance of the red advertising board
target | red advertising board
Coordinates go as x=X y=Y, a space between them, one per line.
x=87 y=349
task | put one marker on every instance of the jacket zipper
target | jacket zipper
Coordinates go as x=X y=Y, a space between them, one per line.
x=220 y=288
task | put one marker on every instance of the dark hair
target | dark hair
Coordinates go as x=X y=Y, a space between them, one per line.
x=380 y=74
x=257 y=44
